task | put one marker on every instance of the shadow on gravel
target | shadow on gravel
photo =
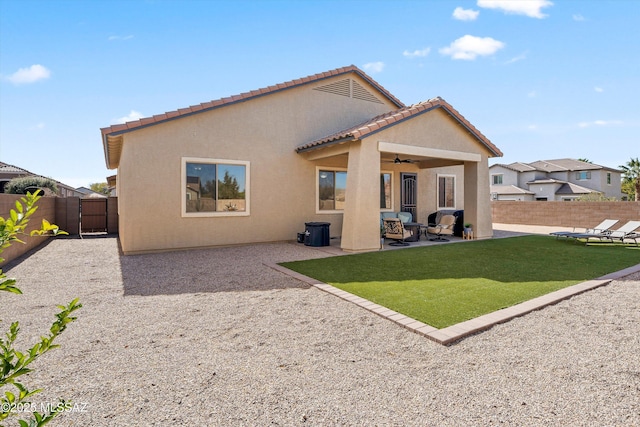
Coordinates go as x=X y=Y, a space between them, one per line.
x=234 y=269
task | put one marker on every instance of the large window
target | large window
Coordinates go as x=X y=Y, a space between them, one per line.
x=214 y=187
x=332 y=186
x=581 y=176
x=446 y=192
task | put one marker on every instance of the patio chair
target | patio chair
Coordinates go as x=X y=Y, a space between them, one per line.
x=627 y=231
x=444 y=227
x=603 y=227
x=393 y=229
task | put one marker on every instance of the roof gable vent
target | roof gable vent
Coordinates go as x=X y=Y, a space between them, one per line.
x=349 y=88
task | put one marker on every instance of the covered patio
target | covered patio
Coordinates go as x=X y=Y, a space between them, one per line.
x=421 y=141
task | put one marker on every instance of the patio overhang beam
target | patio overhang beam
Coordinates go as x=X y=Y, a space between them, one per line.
x=438 y=163
x=428 y=153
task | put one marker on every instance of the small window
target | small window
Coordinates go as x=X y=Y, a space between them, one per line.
x=497 y=179
x=215 y=187
x=446 y=192
x=608 y=178
x=385 y=191
x=583 y=175
x=332 y=187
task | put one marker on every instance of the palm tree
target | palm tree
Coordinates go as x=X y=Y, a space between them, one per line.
x=631 y=174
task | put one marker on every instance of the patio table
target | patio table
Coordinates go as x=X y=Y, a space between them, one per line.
x=414 y=227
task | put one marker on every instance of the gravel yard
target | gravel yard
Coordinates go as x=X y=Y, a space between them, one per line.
x=215 y=338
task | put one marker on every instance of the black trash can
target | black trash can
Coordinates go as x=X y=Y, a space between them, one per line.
x=316 y=233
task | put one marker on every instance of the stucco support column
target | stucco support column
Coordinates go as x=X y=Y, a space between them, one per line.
x=477 y=207
x=361 y=220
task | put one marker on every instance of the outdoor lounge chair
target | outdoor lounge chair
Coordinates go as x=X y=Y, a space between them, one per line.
x=444 y=227
x=393 y=229
x=603 y=227
x=627 y=231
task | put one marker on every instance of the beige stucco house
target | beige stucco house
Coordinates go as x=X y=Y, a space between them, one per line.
x=256 y=167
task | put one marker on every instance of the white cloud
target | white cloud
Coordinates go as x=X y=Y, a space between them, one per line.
x=532 y=94
x=113 y=38
x=598 y=89
x=517 y=58
x=532 y=127
x=133 y=115
x=531 y=8
x=465 y=14
x=578 y=17
x=29 y=75
x=374 y=67
x=470 y=47
x=417 y=53
x=600 y=123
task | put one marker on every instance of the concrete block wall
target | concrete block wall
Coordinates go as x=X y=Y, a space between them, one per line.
x=564 y=214
x=46 y=210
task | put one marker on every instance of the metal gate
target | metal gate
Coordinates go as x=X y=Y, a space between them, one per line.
x=409 y=193
x=93 y=215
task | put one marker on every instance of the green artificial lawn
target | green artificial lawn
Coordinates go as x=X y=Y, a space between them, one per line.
x=442 y=285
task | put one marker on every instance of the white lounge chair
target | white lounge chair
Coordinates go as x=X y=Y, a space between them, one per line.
x=603 y=227
x=627 y=231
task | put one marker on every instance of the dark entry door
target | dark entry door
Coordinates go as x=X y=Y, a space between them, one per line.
x=409 y=193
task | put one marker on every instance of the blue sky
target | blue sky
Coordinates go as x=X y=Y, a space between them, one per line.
x=541 y=79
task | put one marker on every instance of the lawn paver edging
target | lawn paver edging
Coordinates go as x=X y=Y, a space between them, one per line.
x=454 y=333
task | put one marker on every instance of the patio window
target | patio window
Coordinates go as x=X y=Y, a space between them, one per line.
x=213 y=187
x=497 y=179
x=446 y=192
x=332 y=186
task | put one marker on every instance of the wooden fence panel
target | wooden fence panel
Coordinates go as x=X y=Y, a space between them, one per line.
x=93 y=215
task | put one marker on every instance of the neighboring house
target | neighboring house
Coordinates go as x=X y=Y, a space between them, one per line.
x=8 y=172
x=89 y=193
x=553 y=180
x=333 y=147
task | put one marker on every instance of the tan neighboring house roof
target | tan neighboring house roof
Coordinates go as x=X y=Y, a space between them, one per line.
x=571 y=188
x=517 y=166
x=112 y=141
x=508 y=189
x=567 y=165
x=395 y=117
x=8 y=172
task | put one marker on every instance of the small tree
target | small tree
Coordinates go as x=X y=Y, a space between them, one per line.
x=631 y=178
x=100 y=187
x=26 y=184
x=15 y=363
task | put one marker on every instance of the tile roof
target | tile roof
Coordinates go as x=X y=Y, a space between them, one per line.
x=508 y=189
x=571 y=188
x=394 y=117
x=566 y=165
x=128 y=126
x=112 y=144
x=516 y=166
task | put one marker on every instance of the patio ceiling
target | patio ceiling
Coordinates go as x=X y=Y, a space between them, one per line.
x=422 y=157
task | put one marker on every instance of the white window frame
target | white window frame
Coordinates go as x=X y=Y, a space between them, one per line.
x=609 y=178
x=494 y=176
x=183 y=191
x=438 y=176
x=339 y=211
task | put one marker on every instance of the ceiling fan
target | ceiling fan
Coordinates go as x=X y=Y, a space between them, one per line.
x=398 y=160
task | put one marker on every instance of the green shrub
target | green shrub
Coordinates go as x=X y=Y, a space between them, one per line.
x=26 y=184
x=14 y=363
